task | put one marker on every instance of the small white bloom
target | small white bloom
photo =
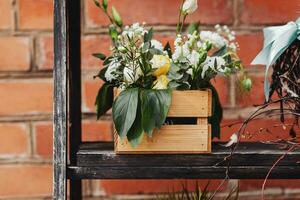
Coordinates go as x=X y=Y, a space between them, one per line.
x=178 y=41
x=157 y=45
x=214 y=63
x=111 y=69
x=189 y=6
x=233 y=46
x=131 y=75
x=190 y=71
x=181 y=51
x=194 y=58
x=216 y=39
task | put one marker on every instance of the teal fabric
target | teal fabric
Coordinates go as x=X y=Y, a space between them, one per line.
x=277 y=40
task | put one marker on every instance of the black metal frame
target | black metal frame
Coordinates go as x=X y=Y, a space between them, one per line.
x=97 y=160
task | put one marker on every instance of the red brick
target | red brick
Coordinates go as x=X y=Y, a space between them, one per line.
x=250 y=46
x=25 y=181
x=90 y=44
x=34 y=14
x=45 y=58
x=6 y=16
x=15 y=53
x=25 y=97
x=111 y=187
x=268 y=11
x=97 y=131
x=257 y=130
x=222 y=87
x=247 y=184
x=90 y=91
x=94 y=44
x=255 y=96
x=160 y=12
x=92 y=131
x=14 y=139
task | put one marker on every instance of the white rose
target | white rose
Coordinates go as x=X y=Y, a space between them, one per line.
x=189 y=6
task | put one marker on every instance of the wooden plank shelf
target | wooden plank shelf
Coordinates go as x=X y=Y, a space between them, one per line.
x=250 y=160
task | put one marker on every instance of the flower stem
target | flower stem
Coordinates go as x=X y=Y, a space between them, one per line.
x=179 y=18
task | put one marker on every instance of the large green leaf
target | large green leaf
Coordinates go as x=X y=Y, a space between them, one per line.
x=217 y=113
x=148 y=36
x=124 y=110
x=104 y=99
x=135 y=133
x=101 y=56
x=155 y=107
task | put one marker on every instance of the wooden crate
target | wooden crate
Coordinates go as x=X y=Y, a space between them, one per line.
x=178 y=139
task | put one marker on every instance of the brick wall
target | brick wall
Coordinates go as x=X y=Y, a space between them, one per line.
x=26 y=61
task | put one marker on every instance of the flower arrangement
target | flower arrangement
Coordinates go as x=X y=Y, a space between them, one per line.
x=146 y=72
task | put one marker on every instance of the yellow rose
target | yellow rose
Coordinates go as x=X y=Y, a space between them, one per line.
x=161 y=83
x=161 y=63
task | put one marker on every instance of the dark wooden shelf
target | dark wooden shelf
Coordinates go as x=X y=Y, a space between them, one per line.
x=251 y=160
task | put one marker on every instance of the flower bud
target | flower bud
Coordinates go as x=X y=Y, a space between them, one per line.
x=189 y=6
x=246 y=84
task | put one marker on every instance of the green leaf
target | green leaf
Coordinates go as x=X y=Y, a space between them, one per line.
x=193 y=27
x=155 y=107
x=97 y=3
x=124 y=110
x=116 y=16
x=148 y=36
x=221 y=51
x=101 y=74
x=136 y=132
x=104 y=4
x=104 y=99
x=101 y=56
x=168 y=49
x=113 y=32
x=145 y=47
x=217 y=113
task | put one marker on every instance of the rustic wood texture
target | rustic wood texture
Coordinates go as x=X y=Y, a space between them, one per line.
x=60 y=102
x=251 y=160
x=173 y=139
x=191 y=103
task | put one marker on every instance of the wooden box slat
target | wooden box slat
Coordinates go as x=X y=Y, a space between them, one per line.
x=171 y=139
x=190 y=103
x=177 y=139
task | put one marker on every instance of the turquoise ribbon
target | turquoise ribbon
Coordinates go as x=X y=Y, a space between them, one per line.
x=277 y=40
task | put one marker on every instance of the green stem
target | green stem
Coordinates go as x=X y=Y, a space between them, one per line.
x=182 y=24
x=179 y=18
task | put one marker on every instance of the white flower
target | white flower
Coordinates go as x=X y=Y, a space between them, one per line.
x=131 y=75
x=216 y=39
x=194 y=58
x=214 y=63
x=157 y=45
x=134 y=31
x=189 y=6
x=181 y=51
x=178 y=41
x=111 y=69
x=233 y=46
x=189 y=71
